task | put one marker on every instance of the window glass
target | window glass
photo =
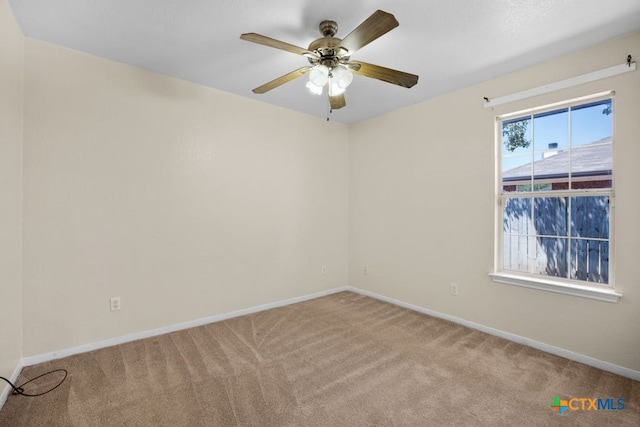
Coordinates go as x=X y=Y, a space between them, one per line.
x=516 y=172
x=590 y=217
x=590 y=260
x=551 y=216
x=516 y=135
x=551 y=257
x=556 y=187
x=591 y=123
x=551 y=131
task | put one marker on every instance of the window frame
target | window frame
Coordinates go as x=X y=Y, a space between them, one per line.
x=560 y=285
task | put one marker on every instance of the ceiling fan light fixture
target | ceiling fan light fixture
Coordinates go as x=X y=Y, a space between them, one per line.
x=334 y=88
x=341 y=76
x=319 y=76
x=316 y=90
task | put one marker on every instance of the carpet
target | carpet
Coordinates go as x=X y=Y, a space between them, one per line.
x=340 y=360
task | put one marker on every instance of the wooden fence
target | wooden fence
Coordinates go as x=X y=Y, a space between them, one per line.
x=558 y=236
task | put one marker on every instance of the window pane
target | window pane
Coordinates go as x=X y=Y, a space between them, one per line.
x=590 y=217
x=551 y=130
x=551 y=171
x=516 y=253
x=551 y=256
x=591 y=123
x=591 y=166
x=550 y=156
x=517 y=216
x=516 y=173
x=550 y=216
x=590 y=260
x=516 y=135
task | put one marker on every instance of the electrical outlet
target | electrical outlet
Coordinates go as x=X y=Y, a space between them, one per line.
x=364 y=271
x=454 y=289
x=323 y=270
x=115 y=303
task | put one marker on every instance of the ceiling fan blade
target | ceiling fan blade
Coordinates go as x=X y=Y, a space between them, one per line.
x=337 y=101
x=388 y=75
x=281 y=80
x=268 y=41
x=373 y=27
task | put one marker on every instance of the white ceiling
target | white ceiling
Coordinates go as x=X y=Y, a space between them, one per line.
x=450 y=44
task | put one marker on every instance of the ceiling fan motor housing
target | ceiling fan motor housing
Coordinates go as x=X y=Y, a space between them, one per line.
x=328 y=28
x=328 y=47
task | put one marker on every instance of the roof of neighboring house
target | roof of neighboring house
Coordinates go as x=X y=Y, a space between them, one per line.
x=590 y=159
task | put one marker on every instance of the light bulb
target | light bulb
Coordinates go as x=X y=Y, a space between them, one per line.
x=342 y=76
x=316 y=90
x=319 y=75
x=334 y=88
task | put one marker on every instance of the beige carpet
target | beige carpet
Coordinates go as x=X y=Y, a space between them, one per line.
x=340 y=360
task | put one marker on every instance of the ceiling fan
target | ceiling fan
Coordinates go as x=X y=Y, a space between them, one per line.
x=330 y=58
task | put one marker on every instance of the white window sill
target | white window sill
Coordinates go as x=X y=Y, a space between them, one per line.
x=597 y=293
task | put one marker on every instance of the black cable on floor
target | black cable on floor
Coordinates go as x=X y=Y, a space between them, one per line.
x=20 y=390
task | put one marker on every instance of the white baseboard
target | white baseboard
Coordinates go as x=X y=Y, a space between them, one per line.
x=46 y=357
x=7 y=388
x=558 y=351
x=605 y=366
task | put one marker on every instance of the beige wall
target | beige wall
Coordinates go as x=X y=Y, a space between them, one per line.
x=422 y=212
x=11 y=72
x=184 y=201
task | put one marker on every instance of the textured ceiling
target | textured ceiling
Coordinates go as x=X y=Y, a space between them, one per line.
x=449 y=44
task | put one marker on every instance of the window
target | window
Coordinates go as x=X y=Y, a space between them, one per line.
x=555 y=198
